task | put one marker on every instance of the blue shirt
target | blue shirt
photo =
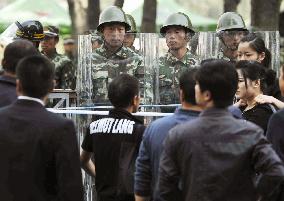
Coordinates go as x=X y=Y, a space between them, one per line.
x=147 y=163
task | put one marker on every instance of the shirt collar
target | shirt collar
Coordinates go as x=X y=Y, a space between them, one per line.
x=31 y=98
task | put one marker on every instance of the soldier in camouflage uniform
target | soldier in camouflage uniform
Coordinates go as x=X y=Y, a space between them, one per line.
x=231 y=29
x=178 y=32
x=112 y=58
x=64 y=67
x=130 y=35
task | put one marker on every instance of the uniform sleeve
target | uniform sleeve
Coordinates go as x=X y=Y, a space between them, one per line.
x=268 y=164
x=143 y=175
x=87 y=144
x=68 y=76
x=168 y=170
x=68 y=171
x=275 y=134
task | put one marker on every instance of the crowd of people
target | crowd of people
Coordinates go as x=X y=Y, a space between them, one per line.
x=223 y=143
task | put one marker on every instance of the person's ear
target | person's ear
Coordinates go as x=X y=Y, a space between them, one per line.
x=52 y=85
x=207 y=96
x=181 y=95
x=256 y=83
x=19 y=88
x=261 y=56
x=3 y=62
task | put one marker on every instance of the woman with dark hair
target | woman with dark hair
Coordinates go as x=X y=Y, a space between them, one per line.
x=252 y=48
x=253 y=79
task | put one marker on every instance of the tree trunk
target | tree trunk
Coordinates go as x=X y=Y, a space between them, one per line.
x=119 y=3
x=265 y=14
x=231 y=5
x=149 y=16
x=84 y=15
x=93 y=13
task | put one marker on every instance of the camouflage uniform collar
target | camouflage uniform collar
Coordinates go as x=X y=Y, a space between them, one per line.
x=170 y=57
x=221 y=55
x=120 y=53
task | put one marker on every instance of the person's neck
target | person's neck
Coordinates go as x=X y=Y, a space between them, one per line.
x=44 y=99
x=189 y=106
x=111 y=49
x=50 y=53
x=179 y=53
x=9 y=74
x=231 y=54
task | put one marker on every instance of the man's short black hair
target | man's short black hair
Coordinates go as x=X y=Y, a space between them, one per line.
x=220 y=78
x=187 y=84
x=122 y=90
x=36 y=75
x=15 y=51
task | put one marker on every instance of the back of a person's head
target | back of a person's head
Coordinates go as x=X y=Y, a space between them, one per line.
x=220 y=78
x=253 y=70
x=36 y=75
x=122 y=90
x=15 y=51
x=187 y=85
x=258 y=45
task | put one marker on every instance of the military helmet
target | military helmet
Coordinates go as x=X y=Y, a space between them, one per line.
x=112 y=14
x=130 y=20
x=230 y=20
x=31 y=30
x=177 y=19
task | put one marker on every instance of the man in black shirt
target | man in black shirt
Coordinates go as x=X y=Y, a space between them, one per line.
x=114 y=141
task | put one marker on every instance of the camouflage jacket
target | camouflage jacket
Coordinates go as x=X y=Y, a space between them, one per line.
x=64 y=71
x=221 y=55
x=170 y=69
x=105 y=67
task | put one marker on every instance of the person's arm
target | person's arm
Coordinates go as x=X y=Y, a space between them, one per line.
x=267 y=162
x=68 y=171
x=168 y=170
x=68 y=76
x=87 y=164
x=143 y=174
x=275 y=133
x=261 y=99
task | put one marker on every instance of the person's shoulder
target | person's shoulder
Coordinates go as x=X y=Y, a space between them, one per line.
x=279 y=115
x=267 y=108
x=128 y=52
x=56 y=119
x=62 y=58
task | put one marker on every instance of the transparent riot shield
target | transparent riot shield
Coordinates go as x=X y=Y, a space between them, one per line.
x=209 y=46
x=148 y=59
x=97 y=67
x=171 y=67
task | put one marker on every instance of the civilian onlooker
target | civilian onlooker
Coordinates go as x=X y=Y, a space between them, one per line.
x=276 y=124
x=215 y=156
x=114 y=141
x=12 y=54
x=147 y=163
x=253 y=79
x=38 y=149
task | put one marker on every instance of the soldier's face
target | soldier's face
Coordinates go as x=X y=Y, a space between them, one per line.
x=129 y=39
x=69 y=47
x=114 y=34
x=232 y=38
x=176 y=38
x=245 y=52
x=48 y=44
